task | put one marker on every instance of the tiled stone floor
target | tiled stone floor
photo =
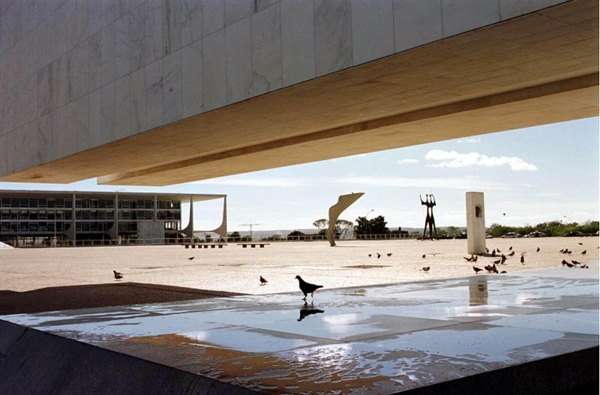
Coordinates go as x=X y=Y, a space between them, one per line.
x=379 y=339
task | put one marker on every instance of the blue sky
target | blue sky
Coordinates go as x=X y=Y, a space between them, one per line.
x=530 y=175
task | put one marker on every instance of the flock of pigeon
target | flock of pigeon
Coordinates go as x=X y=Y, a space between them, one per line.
x=307 y=288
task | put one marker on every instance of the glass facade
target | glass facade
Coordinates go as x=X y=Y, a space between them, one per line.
x=71 y=218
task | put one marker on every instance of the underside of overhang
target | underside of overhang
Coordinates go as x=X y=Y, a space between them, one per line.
x=536 y=69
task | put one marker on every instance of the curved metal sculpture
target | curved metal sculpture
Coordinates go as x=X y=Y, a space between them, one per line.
x=221 y=230
x=344 y=201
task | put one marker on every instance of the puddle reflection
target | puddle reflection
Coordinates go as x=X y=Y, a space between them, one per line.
x=308 y=309
x=478 y=291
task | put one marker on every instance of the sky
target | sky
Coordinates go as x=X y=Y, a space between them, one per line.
x=528 y=176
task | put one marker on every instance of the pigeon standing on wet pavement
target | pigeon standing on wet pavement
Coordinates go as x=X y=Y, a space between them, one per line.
x=307 y=288
x=378 y=255
x=191 y=258
x=117 y=275
x=522 y=259
x=583 y=252
x=477 y=269
x=424 y=256
x=538 y=249
x=426 y=268
x=389 y=254
x=263 y=281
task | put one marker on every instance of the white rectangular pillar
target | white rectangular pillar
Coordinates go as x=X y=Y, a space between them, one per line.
x=475 y=223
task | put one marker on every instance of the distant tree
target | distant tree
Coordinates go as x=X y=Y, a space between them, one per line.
x=295 y=235
x=375 y=226
x=321 y=224
x=343 y=226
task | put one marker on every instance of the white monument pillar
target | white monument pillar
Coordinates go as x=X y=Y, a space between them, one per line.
x=475 y=223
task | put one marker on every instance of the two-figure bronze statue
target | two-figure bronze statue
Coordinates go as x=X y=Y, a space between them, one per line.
x=429 y=220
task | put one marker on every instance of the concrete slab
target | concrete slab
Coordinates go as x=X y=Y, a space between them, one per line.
x=373 y=339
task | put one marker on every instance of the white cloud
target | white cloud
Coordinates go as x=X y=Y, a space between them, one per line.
x=453 y=159
x=470 y=140
x=424 y=182
x=408 y=161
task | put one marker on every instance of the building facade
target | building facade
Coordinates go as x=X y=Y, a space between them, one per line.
x=56 y=218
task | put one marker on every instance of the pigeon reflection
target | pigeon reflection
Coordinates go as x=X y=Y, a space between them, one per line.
x=308 y=309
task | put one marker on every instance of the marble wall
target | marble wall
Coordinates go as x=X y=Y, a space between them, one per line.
x=75 y=74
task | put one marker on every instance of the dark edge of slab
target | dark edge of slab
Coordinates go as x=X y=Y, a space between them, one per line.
x=571 y=373
x=36 y=362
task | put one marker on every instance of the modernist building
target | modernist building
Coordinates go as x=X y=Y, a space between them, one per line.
x=61 y=218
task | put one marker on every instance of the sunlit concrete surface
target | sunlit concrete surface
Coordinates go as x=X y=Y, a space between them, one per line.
x=381 y=339
x=236 y=269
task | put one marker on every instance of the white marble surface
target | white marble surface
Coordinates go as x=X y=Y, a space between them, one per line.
x=213 y=70
x=213 y=16
x=333 y=35
x=139 y=64
x=416 y=22
x=171 y=70
x=237 y=9
x=193 y=100
x=266 y=50
x=372 y=29
x=297 y=40
x=238 y=58
x=512 y=8
x=462 y=15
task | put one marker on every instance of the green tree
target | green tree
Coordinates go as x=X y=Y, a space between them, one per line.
x=321 y=224
x=375 y=226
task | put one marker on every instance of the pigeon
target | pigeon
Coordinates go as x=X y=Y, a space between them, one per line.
x=494 y=251
x=477 y=269
x=503 y=272
x=307 y=310
x=538 y=249
x=468 y=259
x=487 y=250
x=575 y=262
x=498 y=261
x=562 y=250
x=378 y=255
x=191 y=258
x=502 y=259
x=489 y=268
x=474 y=258
x=522 y=259
x=580 y=244
x=426 y=268
x=510 y=248
x=370 y=255
x=583 y=252
x=423 y=256
x=389 y=254
x=307 y=288
x=584 y=267
x=117 y=275
x=498 y=249
x=511 y=253
x=567 y=264
x=263 y=281
x=494 y=268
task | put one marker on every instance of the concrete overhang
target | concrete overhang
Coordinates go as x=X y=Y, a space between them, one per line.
x=531 y=70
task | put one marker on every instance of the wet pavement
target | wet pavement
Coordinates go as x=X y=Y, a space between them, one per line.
x=377 y=339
